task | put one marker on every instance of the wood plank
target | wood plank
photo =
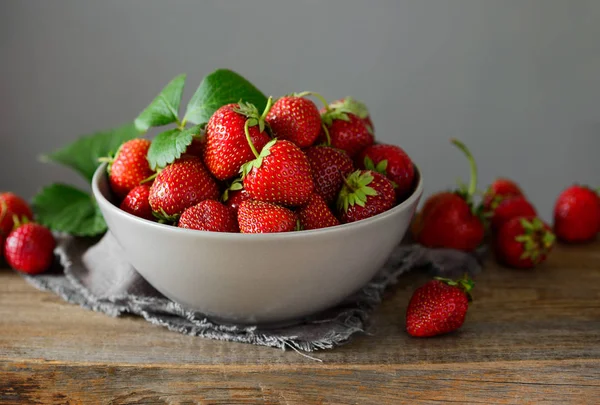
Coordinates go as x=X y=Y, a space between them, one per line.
x=526 y=382
x=550 y=313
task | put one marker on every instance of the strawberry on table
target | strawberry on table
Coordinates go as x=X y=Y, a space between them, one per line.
x=438 y=307
x=136 y=202
x=523 y=242
x=235 y=134
x=451 y=219
x=30 y=248
x=510 y=207
x=316 y=214
x=263 y=217
x=345 y=130
x=181 y=185
x=295 y=119
x=499 y=189
x=365 y=194
x=209 y=215
x=329 y=166
x=280 y=174
x=577 y=214
x=12 y=205
x=391 y=161
x=129 y=167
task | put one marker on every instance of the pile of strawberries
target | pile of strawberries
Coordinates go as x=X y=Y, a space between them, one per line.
x=288 y=168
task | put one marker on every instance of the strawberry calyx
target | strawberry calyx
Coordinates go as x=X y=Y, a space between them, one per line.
x=234 y=186
x=380 y=168
x=256 y=163
x=254 y=118
x=537 y=240
x=312 y=93
x=18 y=222
x=465 y=283
x=349 y=105
x=355 y=190
x=164 y=218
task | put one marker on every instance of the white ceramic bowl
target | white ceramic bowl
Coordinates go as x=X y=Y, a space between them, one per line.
x=256 y=278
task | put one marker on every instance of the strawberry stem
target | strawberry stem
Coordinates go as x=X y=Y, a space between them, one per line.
x=327 y=136
x=473 y=182
x=317 y=95
x=266 y=110
x=249 y=139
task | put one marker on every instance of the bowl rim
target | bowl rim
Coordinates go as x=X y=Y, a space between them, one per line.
x=101 y=199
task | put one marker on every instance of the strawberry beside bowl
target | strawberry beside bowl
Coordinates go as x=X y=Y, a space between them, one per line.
x=256 y=278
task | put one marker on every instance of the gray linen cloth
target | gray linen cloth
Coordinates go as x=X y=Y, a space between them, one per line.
x=95 y=276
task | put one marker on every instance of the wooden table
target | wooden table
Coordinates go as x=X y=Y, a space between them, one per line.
x=530 y=337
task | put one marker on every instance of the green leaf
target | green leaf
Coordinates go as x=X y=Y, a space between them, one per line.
x=169 y=145
x=369 y=165
x=64 y=208
x=221 y=87
x=83 y=154
x=164 y=109
x=381 y=166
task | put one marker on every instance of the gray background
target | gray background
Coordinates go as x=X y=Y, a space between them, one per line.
x=517 y=80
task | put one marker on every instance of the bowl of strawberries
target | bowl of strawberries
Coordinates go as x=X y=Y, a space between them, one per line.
x=266 y=216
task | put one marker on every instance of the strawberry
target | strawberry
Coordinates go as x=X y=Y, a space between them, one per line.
x=510 y=207
x=30 y=248
x=129 y=167
x=11 y=205
x=280 y=175
x=263 y=217
x=577 y=214
x=235 y=134
x=136 y=202
x=295 y=119
x=350 y=105
x=345 y=130
x=523 y=242
x=499 y=189
x=316 y=214
x=438 y=307
x=391 y=161
x=196 y=148
x=181 y=185
x=450 y=219
x=364 y=194
x=209 y=215
x=235 y=194
x=329 y=167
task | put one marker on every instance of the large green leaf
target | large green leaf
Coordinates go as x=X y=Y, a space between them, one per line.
x=221 y=87
x=64 y=208
x=83 y=154
x=164 y=109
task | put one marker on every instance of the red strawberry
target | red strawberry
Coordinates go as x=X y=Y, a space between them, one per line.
x=235 y=134
x=392 y=162
x=30 y=248
x=196 y=148
x=295 y=119
x=209 y=215
x=11 y=205
x=438 y=307
x=280 y=175
x=129 y=166
x=450 y=219
x=329 y=167
x=262 y=217
x=523 y=242
x=499 y=189
x=510 y=207
x=346 y=131
x=235 y=194
x=352 y=106
x=316 y=214
x=181 y=185
x=577 y=214
x=136 y=202
x=364 y=194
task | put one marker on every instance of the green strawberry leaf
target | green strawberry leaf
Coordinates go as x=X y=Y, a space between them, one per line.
x=219 y=88
x=169 y=145
x=83 y=154
x=164 y=109
x=64 y=208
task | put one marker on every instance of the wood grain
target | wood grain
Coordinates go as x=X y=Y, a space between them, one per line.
x=530 y=337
